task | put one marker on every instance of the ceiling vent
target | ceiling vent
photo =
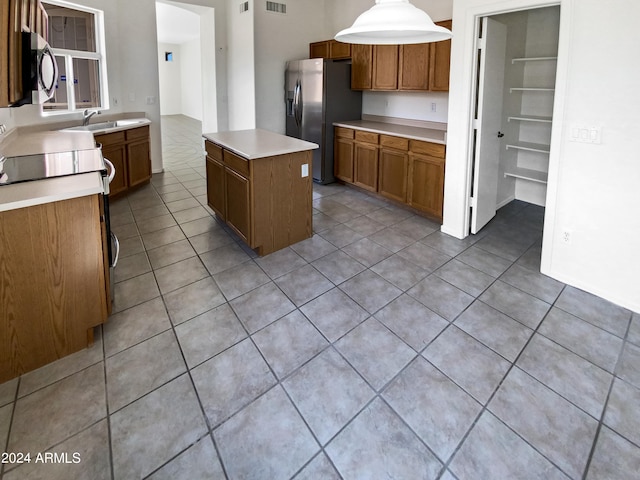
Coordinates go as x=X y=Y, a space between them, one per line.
x=244 y=7
x=276 y=7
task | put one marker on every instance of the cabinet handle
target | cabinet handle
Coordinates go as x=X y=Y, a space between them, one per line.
x=112 y=169
x=117 y=244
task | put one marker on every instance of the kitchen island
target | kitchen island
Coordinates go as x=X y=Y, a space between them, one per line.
x=259 y=183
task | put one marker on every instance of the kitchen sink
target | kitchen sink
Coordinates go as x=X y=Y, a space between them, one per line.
x=95 y=127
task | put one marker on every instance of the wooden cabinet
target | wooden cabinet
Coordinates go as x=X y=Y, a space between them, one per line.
x=410 y=172
x=343 y=154
x=54 y=286
x=417 y=67
x=117 y=154
x=361 y=67
x=413 y=67
x=385 y=67
x=394 y=167
x=426 y=173
x=440 y=63
x=215 y=180
x=17 y=16
x=365 y=160
x=266 y=201
x=129 y=151
x=330 y=49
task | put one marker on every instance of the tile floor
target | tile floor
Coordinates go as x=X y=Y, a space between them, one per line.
x=380 y=348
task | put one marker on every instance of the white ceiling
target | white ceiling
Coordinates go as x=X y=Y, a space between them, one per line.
x=176 y=24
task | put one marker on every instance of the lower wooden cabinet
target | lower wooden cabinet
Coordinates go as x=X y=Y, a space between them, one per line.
x=265 y=201
x=426 y=190
x=394 y=170
x=237 y=201
x=406 y=171
x=54 y=281
x=365 y=159
x=130 y=153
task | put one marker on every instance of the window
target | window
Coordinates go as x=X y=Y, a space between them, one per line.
x=77 y=39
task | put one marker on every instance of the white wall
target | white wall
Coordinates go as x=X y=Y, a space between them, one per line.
x=240 y=67
x=279 y=38
x=170 y=79
x=191 y=79
x=593 y=189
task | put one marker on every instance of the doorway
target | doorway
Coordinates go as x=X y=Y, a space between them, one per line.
x=516 y=66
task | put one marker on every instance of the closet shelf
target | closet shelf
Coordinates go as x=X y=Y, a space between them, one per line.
x=527 y=174
x=533 y=59
x=530 y=89
x=530 y=147
x=530 y=118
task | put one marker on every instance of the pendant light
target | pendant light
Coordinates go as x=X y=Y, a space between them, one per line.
x=393 y=22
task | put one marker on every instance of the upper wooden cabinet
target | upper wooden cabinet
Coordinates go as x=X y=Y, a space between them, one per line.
x=17 y=16
x=417 y=67
x=413 y=67
x=330 y=49
x=385 y=67
x=440 y=63
x=361 y=67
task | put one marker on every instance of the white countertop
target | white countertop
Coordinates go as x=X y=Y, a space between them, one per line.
x=28 y=194
x=252 y=144
x=415 y=133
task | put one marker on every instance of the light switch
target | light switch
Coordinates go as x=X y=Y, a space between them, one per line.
x=305 y=170
x=585 y=134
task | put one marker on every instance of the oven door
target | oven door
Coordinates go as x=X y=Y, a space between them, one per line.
x=113 y=245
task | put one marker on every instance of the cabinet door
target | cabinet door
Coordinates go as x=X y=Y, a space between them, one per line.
x=138 y=163
x=319 y=50
x=116 y=155
x=413 y=67
x=385 y=67
x=343 y=159
x=440 y=63
x=361 y=66
x=339 y=50
x=426 y=187
x=394 y=170
x=238 y=204
x=366 y=166
x=215 y=187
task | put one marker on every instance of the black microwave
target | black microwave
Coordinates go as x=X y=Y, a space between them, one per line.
x=39 y=70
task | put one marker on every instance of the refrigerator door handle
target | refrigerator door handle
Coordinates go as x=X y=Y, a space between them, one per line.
x=297 y=103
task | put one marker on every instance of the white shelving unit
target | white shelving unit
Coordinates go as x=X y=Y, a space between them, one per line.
x=525 y=120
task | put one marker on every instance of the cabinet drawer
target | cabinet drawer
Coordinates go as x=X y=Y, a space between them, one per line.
x=344 y=132
x=366 y=137
x=427 y=148
x=394 y=142
x=213 y=150
x=237 y=163
x=135 y=133
x=110 y=138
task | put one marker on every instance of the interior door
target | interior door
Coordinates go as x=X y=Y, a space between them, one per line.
x=490 y=92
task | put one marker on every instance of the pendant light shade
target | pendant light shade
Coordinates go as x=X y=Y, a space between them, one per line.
x=393 y=22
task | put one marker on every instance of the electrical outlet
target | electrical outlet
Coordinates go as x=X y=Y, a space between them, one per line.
x=566 y=236
x=434 y=106
x=305 y=170
x=151 y=100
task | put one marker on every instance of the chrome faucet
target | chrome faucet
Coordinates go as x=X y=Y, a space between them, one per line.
x=86 y=116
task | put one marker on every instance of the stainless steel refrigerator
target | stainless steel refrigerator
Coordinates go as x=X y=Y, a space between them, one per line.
x=318 y=93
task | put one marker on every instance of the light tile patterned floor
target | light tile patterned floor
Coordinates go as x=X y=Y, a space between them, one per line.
x=380 y=348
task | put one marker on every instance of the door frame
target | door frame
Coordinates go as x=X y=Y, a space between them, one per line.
x=459 y=164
